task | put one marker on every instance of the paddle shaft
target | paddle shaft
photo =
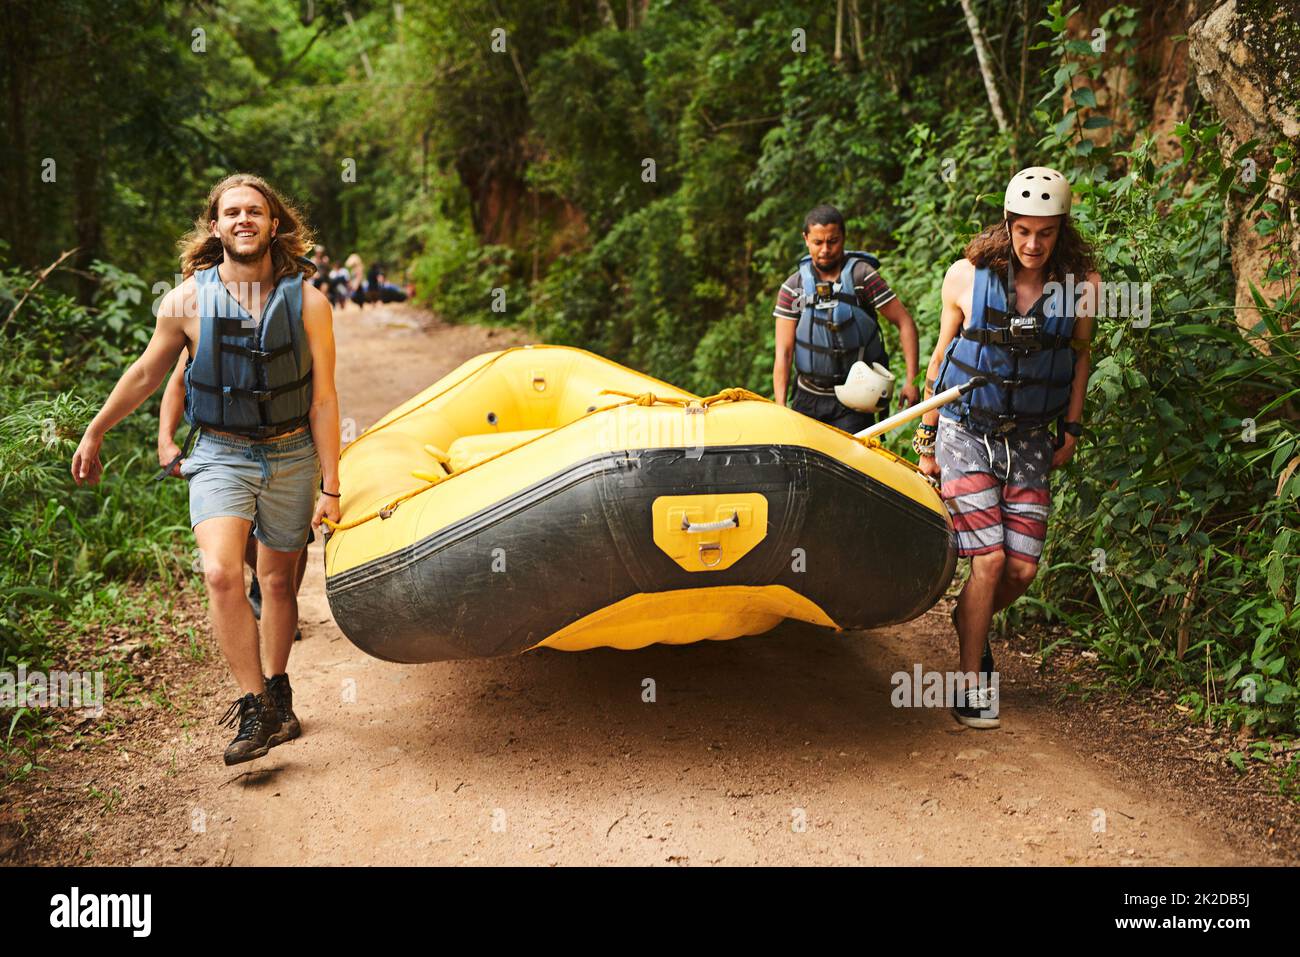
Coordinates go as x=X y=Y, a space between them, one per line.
x=918 y=410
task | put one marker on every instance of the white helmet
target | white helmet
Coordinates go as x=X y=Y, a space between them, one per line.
x=1038 y=191
x=867 y=387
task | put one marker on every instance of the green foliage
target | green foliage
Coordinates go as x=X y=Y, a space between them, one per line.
x=65 y=553
x=459 y=279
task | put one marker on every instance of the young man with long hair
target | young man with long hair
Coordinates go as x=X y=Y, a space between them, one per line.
x=1010 y=315
x=259 y=387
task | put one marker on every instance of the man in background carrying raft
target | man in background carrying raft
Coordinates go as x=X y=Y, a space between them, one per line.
x=1009 y=315
x=826 y=322
x=260 y=385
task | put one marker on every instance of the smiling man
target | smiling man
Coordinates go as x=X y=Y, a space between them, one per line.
x=992 y=450
x=259 y=388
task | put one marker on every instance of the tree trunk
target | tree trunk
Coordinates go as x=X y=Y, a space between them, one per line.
x=85 y=173
x=986 y=68
x=18 y=221
x=839 y=30
x=857 y=33
x=606 y=14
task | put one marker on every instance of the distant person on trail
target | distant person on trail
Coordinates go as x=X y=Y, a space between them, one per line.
x=826 y=322
x=169 y=457
x=260 y=386
x=330 y=279
x=356 y=270
x=372 y=285
x=379 y=289
x=1006 y=317
x=321 y=260
x=339 y=286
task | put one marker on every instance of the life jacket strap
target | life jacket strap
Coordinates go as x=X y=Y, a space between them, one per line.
x=994 y=378
x=827 y=350
x=258 y=355
x=260 y=395
x=185 y=450
x=243 y=328
x=816 y=386
x=1006 y=424
x=1004 y=337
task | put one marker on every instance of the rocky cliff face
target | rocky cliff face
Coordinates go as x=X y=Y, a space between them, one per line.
x=1245 y=57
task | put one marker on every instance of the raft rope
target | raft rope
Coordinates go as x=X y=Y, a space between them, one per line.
x=644 y=399
x=383 y=424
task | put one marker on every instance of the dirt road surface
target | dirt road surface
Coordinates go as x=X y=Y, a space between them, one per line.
x=776 y=749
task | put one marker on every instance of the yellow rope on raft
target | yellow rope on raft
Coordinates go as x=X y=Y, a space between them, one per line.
x=459 y=382
x=388 y=509
x=644 y=399
x=726 y=395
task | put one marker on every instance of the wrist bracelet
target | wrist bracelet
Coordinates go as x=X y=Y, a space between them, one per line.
x=330 y=494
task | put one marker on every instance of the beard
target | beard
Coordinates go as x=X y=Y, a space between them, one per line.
x=246 y=258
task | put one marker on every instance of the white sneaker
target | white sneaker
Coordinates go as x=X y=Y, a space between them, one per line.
x=977 y=708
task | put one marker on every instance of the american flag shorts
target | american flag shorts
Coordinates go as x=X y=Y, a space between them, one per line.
x=996 y=489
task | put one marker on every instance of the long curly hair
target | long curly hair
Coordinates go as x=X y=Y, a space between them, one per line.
x=991 y=249
x=291 y=244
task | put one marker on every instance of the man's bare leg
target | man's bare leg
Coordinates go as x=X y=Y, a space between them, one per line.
x=250 y=559
x=975 y=607
x=302 y=569
x=277 y=571
x=221 y=546
x=1017 y=576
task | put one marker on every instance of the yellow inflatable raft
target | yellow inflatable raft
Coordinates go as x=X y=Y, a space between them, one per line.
x=543 y=496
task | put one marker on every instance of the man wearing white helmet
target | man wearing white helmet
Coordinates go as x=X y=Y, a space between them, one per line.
x=1005 y=318
x=826 y=324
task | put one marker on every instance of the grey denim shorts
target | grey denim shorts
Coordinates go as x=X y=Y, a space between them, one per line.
x=270 y=482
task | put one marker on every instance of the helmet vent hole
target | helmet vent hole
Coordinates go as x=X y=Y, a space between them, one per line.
x=1047 y=196
x=1025 y=194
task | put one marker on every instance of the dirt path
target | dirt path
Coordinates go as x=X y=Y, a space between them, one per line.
x=781 y=748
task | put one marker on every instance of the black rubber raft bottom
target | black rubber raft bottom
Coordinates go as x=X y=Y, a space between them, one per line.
x=504 y=579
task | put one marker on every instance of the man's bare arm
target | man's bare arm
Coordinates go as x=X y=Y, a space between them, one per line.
x=956 y=283
x=136 y=384
x=1083 y=327
x=171 y=413
x=784 y=355
x=318 y=320
x=897 y=313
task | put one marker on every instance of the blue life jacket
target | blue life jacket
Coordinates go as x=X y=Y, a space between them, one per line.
x=246 y=378
x=828 y=341
x=1029 y=377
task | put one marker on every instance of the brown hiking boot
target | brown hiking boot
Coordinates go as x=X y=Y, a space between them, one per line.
x=281 y=696
x=258 y=720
